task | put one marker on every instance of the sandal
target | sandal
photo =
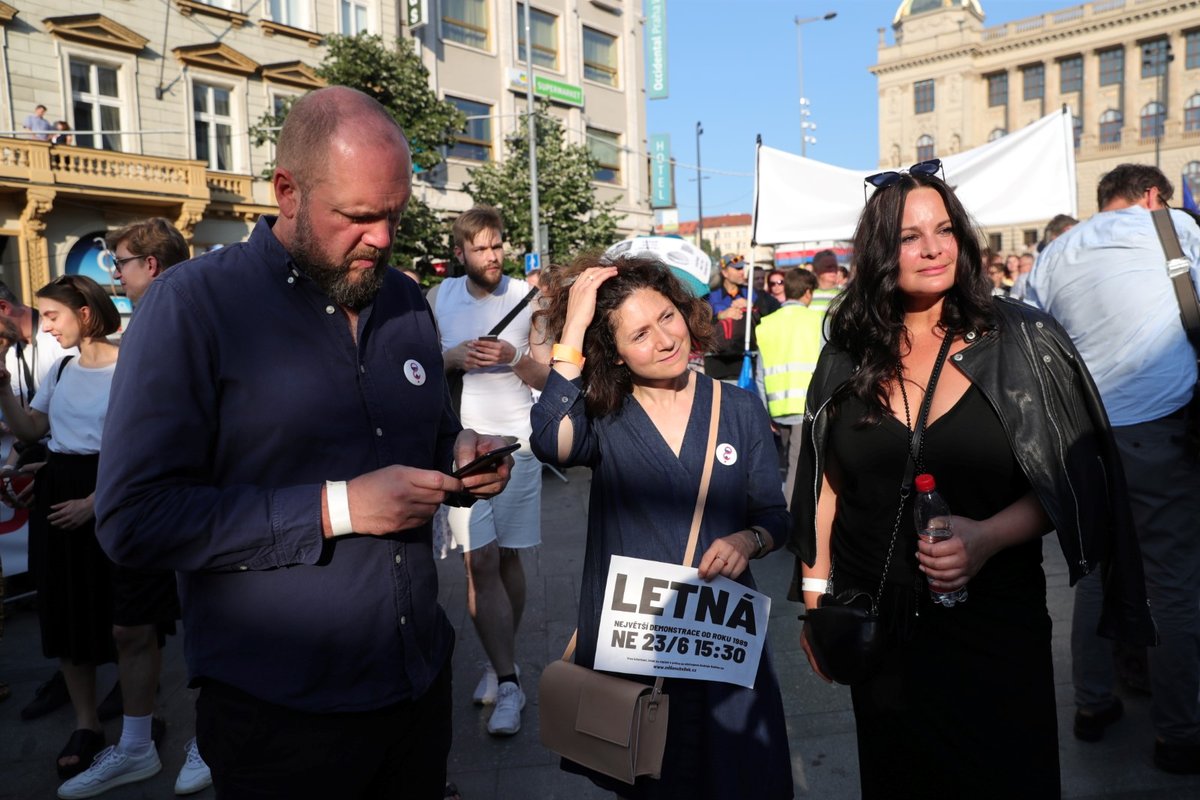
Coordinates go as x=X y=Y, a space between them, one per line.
x=84 y=744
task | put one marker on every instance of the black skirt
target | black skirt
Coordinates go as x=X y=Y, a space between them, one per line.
x=72 y=574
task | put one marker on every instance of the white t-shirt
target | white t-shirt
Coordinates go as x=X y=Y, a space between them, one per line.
x=40 y=356
x=494 y=401
x=76 y=406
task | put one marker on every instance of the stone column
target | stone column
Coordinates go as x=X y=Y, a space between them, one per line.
x=33 y=248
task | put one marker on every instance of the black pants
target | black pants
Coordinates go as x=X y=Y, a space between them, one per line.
x=260 y=750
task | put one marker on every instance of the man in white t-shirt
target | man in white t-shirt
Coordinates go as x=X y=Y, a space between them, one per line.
x=496 y=399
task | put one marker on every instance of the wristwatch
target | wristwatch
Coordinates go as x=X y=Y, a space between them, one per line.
x=758 y=540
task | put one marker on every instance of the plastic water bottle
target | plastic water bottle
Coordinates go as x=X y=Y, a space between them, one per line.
x=932 y=518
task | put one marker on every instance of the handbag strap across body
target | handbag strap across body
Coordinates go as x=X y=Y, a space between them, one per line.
x=1180 y=272
x=915 y=461
x=689 y=552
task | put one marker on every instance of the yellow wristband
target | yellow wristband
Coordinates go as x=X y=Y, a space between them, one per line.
x=567 y=354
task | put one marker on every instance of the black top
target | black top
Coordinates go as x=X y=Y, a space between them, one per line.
x=966 y=451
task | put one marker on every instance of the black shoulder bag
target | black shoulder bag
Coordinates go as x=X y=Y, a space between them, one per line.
x=844 y=631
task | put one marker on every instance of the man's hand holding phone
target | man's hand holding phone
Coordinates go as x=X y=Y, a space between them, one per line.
x=489 y=351
x=486 y=462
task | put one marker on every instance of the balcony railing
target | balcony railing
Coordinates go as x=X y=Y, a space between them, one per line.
x=32 y=161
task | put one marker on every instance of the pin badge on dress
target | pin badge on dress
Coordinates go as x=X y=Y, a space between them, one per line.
x=726 y=454
x=414 y=372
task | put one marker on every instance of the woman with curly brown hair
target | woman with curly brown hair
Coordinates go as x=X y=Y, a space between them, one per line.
x=621 y=400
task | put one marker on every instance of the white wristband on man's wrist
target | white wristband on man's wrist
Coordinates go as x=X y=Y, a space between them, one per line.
x=517 y=357
x=338 y=501
x=818 y=585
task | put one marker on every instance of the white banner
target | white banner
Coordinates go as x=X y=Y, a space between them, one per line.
x=661 y=619
x=1026 y=176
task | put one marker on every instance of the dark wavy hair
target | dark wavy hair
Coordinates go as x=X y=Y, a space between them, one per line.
x=867 y=320
x=605 y=382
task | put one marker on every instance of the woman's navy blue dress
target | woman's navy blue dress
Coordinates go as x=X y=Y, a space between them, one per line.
x=721 y=739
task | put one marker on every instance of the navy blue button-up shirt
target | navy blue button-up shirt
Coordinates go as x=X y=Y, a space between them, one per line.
x=238 y=393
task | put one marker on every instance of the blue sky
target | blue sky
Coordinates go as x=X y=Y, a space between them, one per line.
x=732 y=66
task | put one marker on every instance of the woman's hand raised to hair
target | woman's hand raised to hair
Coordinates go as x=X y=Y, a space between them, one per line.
x=581 y=304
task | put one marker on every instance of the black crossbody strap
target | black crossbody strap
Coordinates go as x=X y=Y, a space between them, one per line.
x=1179 y=270
x=512 y=314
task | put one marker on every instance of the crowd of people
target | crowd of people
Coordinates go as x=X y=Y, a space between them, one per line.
x=288 y=480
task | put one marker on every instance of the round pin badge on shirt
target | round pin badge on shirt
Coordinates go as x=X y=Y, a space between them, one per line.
x=726 y=454
x=414 y=372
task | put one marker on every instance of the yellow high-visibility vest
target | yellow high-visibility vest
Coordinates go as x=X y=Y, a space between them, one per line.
x=789 y=342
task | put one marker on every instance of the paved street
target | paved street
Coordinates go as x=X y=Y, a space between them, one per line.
x=820 y=723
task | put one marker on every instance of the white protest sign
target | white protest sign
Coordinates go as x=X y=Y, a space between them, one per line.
x=661 y=619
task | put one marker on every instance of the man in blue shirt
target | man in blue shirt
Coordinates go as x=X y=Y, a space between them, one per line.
x=1106 y=281
x=279 y=434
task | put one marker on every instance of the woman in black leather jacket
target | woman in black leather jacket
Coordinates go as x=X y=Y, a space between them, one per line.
x=963 y=705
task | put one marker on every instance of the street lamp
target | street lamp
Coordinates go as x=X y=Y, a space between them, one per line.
x=805 y=125
x=1160 y=65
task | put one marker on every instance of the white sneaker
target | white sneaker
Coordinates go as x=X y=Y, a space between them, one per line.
x=194 y=775
x=506 y=718
x=485 y=691
x=111 y=768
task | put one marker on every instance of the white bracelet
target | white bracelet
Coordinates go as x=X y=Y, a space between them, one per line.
x=338 y=501
x=517 y=357
x=814 y=585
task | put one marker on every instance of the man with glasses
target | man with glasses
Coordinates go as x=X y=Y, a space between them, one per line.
x=1105 y=280
x=730 y=304
x=145 y=601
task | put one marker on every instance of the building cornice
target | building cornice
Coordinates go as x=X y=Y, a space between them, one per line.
x=95 y=29
x=189 y=7
x=272 y=28
x=218 y=56
x=996 y=41
x=293 y=73
x=7 y=13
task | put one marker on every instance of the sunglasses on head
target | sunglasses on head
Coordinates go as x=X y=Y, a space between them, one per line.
x=882 y=180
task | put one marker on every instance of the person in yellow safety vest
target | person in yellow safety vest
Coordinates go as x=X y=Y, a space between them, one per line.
x=789 y=342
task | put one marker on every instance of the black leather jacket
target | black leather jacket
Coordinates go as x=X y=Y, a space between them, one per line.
x=1030 y=373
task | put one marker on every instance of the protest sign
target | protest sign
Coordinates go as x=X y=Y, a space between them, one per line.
x=662 y=619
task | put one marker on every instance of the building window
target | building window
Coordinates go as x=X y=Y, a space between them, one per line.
x=213 y=117
x=997 y=89
x=466 y=22
x=1110 y=127
x=544 y=28
x=475 y=142
x=1077 y=127
x=1191 y=113
x=599 y=57
x=925 y=148
x=1191 y=41
x=996 y=134
x=605 y=147
x=354 y=17
x=1070 y=75
x=1033 y=79
x=291 y=12
x=1112 y=66
x=1191 y=174
x=96 y=104
x=1152 y=117
x=923 y=97
x=1154 y=58
x=1030 y=237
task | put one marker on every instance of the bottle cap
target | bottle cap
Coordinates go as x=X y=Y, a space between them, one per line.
x=925 y=482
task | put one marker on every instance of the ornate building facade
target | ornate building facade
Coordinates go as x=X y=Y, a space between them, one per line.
x=160 y=96
x=1129 y=70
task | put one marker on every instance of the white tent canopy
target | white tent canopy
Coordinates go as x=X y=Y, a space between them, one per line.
x=1026 y=176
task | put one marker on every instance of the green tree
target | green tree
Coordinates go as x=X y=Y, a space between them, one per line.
x=400 y=82
x=576 y=218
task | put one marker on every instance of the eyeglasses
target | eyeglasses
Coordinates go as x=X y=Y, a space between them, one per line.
x=775 y=283
x=738 y=262
x=120 y=262
x=882 y=180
